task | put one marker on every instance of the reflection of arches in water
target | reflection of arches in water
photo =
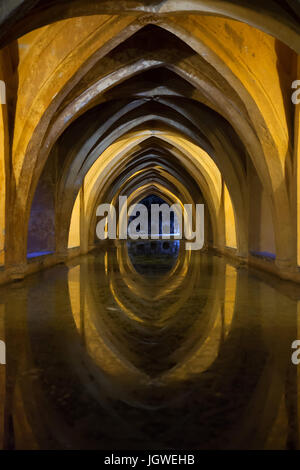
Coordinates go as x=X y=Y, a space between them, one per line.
x=79 y=378
x=153 y=257
x=136 y=329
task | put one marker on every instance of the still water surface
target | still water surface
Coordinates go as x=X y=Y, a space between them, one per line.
x=148 y=346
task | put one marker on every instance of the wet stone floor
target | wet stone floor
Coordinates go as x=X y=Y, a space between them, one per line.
x=148 y=346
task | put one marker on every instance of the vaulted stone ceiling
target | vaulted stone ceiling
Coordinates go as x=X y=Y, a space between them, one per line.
x=17 y=17
x=191 y=100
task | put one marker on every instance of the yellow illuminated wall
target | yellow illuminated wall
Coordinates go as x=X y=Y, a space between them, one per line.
x=2 y=182
x=74 y=234
x=230 y=229
x=297 y=162
x=261 y=227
